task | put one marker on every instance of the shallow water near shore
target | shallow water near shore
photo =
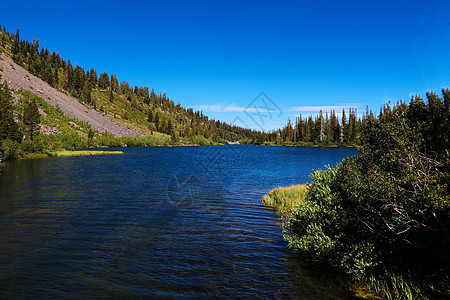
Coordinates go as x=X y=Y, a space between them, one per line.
x=158 y=222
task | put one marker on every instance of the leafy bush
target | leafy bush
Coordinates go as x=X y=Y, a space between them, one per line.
x=33 y=146
x=200 y=140
x=11 y=149
x=148 y=140
x=387 y=210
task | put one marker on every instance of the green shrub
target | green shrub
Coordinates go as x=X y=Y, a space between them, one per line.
x=382 y=216
x=32 y=146
x=200 y=140
x=11 y=149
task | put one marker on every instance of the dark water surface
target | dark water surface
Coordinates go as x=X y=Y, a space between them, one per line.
x=182 y=222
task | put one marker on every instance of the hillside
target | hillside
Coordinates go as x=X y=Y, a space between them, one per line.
x=19 y=78
x=101 y=101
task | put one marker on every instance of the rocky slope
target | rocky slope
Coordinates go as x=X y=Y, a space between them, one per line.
x=19 y=78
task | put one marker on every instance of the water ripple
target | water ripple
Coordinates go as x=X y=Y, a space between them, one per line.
x=156 y=223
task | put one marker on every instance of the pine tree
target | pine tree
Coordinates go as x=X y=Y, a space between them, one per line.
x=156 y=121
x=55 y=78
x=103 y=81
x=31 y=117
x=150 y=116
x=175 y=136
x=299 y=129
x=322 y=127
x=9 y=129
x=16 y=45
x=351 y=125
x=93 y=78
x=3 y=40
x=87 y=93
x=344 y=127
x=169 y=126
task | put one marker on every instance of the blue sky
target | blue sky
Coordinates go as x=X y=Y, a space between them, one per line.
x=218 y=56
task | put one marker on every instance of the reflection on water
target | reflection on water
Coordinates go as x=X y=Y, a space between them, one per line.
x=156 y=222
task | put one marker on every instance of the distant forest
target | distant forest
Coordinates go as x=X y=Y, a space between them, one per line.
x=164 y=116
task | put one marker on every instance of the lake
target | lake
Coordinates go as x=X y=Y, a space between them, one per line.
x=157 y=222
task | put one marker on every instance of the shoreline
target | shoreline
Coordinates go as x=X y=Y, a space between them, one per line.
x=68 y=153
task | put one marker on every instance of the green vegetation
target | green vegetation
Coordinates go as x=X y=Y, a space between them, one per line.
x=84 y=152
x=285 y=199
x=382 y=216
x=199 y=140
x=9 y=129
x=22 y=138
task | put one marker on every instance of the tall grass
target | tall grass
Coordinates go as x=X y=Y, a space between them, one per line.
x=85 y=152
x=284 y=199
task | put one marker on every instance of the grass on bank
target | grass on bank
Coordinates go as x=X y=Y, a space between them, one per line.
x=85 y=152
x=66 y=153
x=284 y=199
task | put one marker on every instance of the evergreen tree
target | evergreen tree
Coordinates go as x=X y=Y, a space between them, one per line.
x=55 y=78
x=9 y=129
x=16 y=45
x=169 y=126
x=156 y=121
x=78 y=80
x=175 y=136
x=87 y=93
x=438 y=116
x=321 y=127
x=31 y=117
x=3 y=40
x=344 y=127
x=93 y=78
x=103 y=81
x=299 y=129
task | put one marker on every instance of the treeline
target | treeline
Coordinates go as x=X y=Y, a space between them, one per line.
x=383 y=216
x=324 y=129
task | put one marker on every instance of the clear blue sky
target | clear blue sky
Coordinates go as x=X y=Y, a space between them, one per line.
x=219 y=55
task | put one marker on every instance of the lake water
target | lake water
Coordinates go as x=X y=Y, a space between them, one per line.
x=158 y=222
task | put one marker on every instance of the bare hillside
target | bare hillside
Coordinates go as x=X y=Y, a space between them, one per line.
x=19 y=78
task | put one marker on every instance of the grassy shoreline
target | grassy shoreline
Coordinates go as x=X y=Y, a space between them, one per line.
x=86 y=152
x=284 y=199
x=67 y=153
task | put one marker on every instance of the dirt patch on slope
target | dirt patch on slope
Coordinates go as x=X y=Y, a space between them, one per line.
x=19 y=78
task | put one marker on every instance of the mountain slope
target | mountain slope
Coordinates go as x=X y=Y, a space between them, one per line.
x=19 y=78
